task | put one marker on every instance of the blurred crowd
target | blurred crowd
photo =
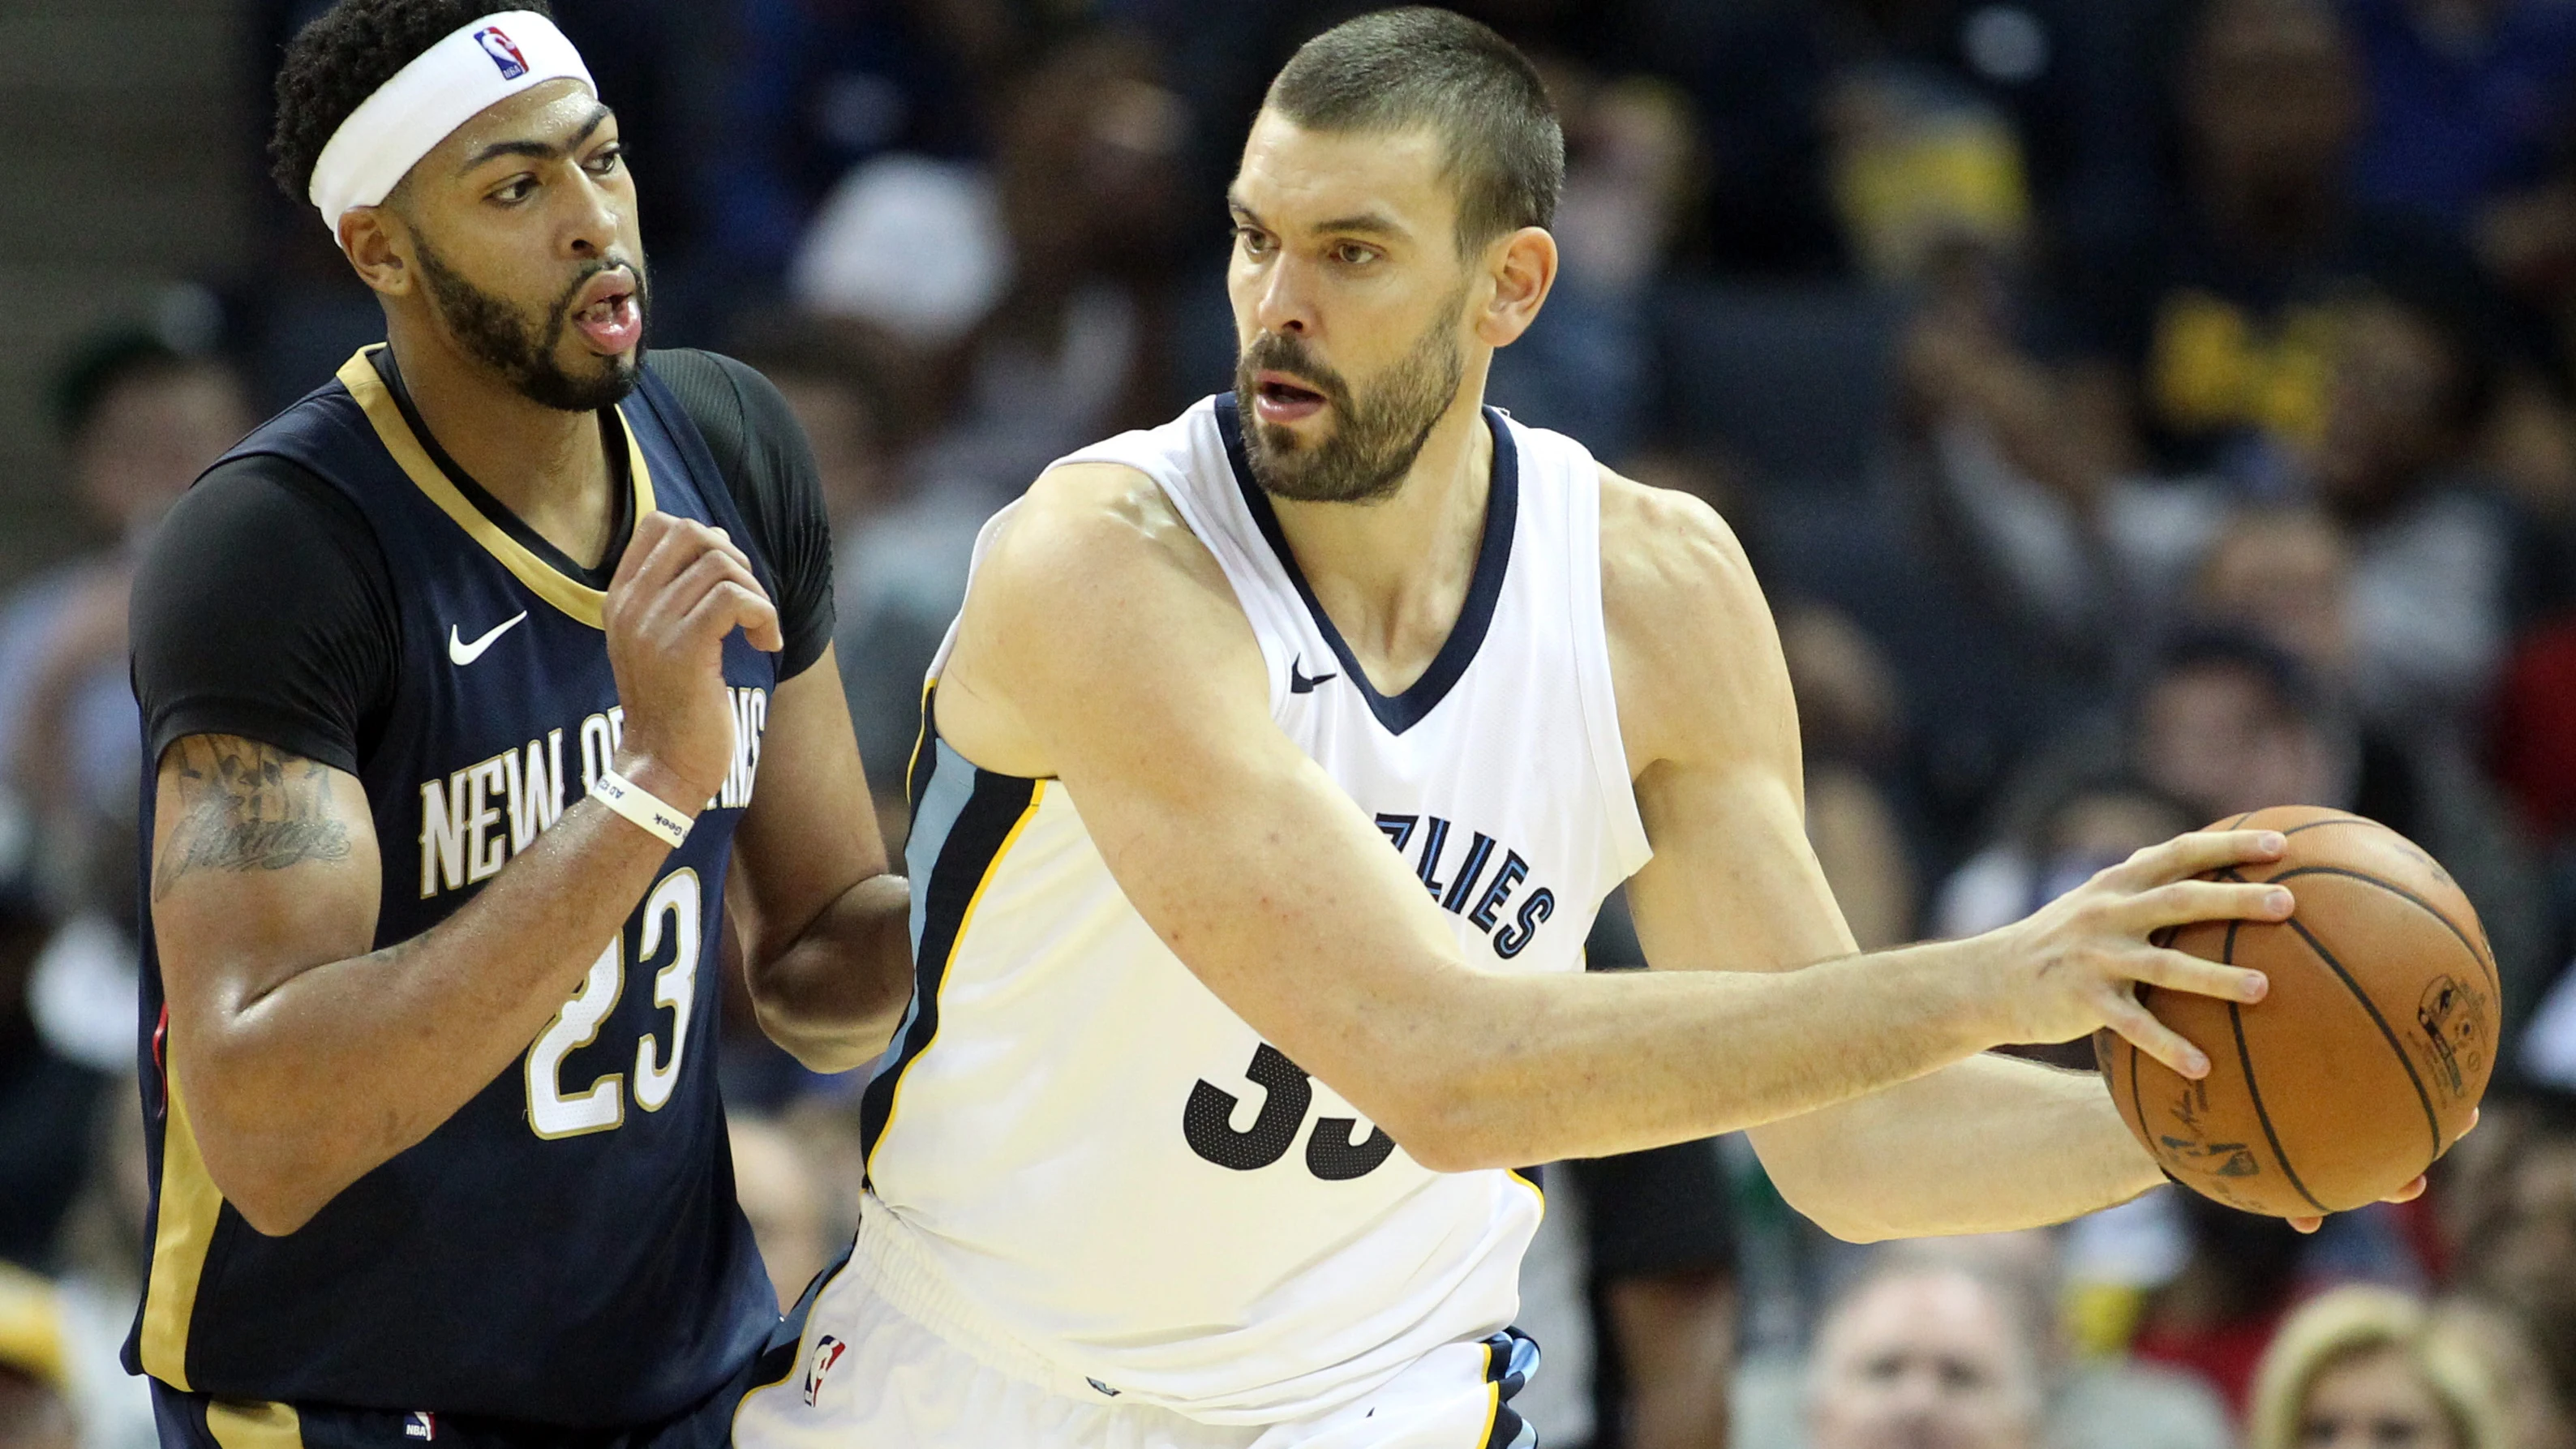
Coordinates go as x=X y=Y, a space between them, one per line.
x=2138 y=411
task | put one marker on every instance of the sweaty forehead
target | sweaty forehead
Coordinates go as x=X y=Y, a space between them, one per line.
x=551 y=115
x=1294 y=178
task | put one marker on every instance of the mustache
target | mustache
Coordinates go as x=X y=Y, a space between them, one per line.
x=633 y=268
x=1274 y=352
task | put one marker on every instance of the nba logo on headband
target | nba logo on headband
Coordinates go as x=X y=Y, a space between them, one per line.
x=478 y=64
x=504 y=54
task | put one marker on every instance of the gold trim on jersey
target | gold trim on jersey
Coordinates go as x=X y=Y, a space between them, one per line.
x=573 y=597
x=190 y=1204
x=254 y=1426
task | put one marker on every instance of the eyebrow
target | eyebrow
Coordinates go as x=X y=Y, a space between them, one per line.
x=1366 y=223
x=541 y=150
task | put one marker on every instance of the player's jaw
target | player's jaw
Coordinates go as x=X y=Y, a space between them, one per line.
x=579 y=352
x=1311 y=437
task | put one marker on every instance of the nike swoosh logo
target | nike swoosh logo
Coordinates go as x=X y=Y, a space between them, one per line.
x=1299 y=682
x=461 y=653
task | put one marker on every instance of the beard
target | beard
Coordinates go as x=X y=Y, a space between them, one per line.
x=1374 y=441
x=521 y=347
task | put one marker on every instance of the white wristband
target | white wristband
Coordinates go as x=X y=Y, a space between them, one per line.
x=641 y=806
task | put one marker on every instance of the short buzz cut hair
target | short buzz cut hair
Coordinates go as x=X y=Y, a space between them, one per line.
x=347 y=54
x=1396 y=70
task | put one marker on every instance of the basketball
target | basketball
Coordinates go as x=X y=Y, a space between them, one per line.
x=2365 y=1061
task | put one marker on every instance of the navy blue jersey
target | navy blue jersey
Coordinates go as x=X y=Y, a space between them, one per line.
x=566 y=1248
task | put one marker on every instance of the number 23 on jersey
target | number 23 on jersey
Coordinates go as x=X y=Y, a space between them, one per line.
x=673 y=914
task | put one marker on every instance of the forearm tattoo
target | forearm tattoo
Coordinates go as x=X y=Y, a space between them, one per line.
x=246 y=806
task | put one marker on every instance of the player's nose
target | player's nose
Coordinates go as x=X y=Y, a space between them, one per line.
x=592 y=226
x=1281 y=304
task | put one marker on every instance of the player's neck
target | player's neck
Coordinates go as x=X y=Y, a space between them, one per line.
x=1393 y=574
x=545 y=465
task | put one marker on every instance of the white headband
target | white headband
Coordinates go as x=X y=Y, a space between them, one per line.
x=487 y=60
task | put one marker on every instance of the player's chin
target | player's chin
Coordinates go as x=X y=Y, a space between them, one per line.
x=1301 y=434
x=583 y=362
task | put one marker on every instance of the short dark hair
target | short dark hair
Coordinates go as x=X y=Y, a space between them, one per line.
x=98 y=367
x=346 y=55
x=1398 y=69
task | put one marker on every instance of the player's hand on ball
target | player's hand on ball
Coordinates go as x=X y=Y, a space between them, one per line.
x=679 y=591
x=2408 y=1193
x=2069 y=968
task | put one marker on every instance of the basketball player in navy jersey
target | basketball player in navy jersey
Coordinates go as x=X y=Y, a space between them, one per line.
x=466 y=679
x=1274 y=770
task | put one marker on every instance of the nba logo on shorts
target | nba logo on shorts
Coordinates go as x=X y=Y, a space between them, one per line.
x=827 y=1352
x=420 y=1424
x=504 y=53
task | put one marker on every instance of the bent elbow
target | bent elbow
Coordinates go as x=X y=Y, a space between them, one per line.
x=272 y=1202
x=1444 y=1131
x=1835 y=1217
x=1441 y=1153
x=828 y=1048
x=1815 y=1196
x=270 y=1180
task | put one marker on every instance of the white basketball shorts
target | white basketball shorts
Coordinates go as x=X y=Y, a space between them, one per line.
x=869 y=1377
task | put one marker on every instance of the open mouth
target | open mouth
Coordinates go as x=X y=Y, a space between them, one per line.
x=1279 y=399
x=606 y=315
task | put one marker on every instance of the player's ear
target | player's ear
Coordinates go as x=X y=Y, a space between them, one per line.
x=1523 y=269
x=375 y=241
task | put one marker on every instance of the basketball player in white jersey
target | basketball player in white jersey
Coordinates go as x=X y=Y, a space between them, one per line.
x=1272 y=775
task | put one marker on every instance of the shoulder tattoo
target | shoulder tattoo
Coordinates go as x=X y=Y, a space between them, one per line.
x=245 y=806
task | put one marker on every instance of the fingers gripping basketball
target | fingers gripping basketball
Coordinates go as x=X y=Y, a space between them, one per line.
x=2366 y=1059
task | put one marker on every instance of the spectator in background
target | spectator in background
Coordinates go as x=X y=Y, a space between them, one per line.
x=101 y=1251
x=2529 y=1413
x=142 y=420
x=1850 y=723
x=1951 y=1346
x=1072 y=340
x=2371 y=1368
x=2070 y=828
x=33 y=1413
x=2228 y=723
x=2041 y=98
x=2214 y=1318
x=2469 y=99
x=884 y=550
x=46 y=1097
x=818 y=87
x=1920 y=1357
x=2219 y=322
x=2411 y=383
x=2507 y=1215
x=1587 y=367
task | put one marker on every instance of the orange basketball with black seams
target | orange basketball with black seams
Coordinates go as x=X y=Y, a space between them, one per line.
x=2365 y=1061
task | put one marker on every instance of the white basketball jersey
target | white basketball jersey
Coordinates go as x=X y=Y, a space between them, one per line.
x=1082 y=1157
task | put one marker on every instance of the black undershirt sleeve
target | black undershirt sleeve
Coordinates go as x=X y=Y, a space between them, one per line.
x=769 y=469
x=263 y=608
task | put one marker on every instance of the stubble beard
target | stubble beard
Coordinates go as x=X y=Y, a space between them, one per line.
x=1373 y=443
x=522 y=348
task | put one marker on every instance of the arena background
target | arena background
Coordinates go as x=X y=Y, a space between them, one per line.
x=2137 y=410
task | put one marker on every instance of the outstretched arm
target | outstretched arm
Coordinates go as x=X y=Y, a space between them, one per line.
x=1264 y=878
x=827 y=940
x=1981 y=1145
